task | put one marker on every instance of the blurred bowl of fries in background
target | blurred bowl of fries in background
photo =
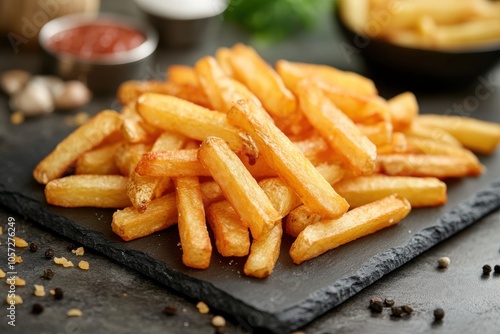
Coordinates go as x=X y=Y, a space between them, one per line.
x=447 y=41
x=181 y=23
x=101 y=50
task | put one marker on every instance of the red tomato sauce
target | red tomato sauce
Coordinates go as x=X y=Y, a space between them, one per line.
x=95 y=40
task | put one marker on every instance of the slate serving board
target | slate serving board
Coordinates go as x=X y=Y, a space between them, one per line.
x=292 y=295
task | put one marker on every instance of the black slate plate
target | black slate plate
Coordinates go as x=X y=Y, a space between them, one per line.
x=292 y=295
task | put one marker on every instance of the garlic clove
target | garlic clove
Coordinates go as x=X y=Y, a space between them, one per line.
x=53 y=83
x=75 y=94
x=34 y=99
x=14 y=80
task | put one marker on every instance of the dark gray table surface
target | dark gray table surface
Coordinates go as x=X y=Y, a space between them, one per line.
x=116 y=299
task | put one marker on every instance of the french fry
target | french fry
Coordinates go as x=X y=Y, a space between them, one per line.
x=478 y=136
x=288 y=162
x=264 y=253
x=98 y=161
x=261 y=79
x=128 y=155
x=419 y=191
x=172 y=163
x=356 y=150
x=418 y=130
x=83 y=139
x=328 y=234
x=195 y=241
x=281 y=195
x=240 y=188
x=222 y=90
x=440 y=166
x=379 y=133
x=230 y=233
x=223 y=56
x=142 y=189
x=131 y=90
x=292 y=73
x=298 y=219
x=193 y=121
x=398 y=144
x=182 y=75
x=101 y=191
x=331 y=173
x=403 y=109
x=160 y=214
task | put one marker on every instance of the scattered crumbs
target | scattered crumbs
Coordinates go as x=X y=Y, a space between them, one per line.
x=218 y=321
x=186 y=324
x=184 y=310
x=79 y=251
x=230 y=262
x=16 y=280
x=17 y=118
x=178 y=244
x=20 y=243
x=68 y=264
x=74 y=312
x=84 y=265
x=202 y=308
x=52 y=292
x=444 y=262
x=39 y=290
x=63 y=261
x=125 y=294
x=2 y=273
x=409 y=231
x=18 y=259
x=14 y=299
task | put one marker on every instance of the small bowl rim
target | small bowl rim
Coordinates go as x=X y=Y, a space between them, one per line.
x=74 y=20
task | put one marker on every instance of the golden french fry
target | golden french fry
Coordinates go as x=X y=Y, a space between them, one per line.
x=83 y=139
x=403 y=109
x=101 y=191
x=195 y=241
x=356 y=150
x=332 y=173
x=281 y=195
x=222 y=90
x=287 y=160
x=398 y=144
x=160 y=214
x=440 y=166
x=128 y=155
x=98 y=161
x=418 y=130
x=419 y=191
x=182 y=75
x=298 y=219
x=240 y=188
x=230 y=233
x=261 y=79
x=172 y=163
x=478 y=136
x=354 y=13
x=328 y=234
x=292 y=73
x=379 y=133
x=131 y=90
x=142 y=189
x=223 y=56
x=313 y=147
x=264 y=253
x=133 y=132
x=193 y=121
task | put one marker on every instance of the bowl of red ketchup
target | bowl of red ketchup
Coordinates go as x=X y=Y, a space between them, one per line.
x=101 y=50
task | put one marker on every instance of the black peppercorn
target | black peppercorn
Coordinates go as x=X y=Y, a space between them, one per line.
x=486 y=269
x=37 y=309
x=389 y=302
x=397 y=311
x=49 y=253
x=58 y=293
x=376 y=304
x=438 y=314
x=407 y=309
x=497 y=269
x=47 y=274
x=170 y=310
x=33 y=247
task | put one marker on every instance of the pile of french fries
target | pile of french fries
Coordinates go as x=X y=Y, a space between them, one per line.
x=443 y=24
x=251 y=150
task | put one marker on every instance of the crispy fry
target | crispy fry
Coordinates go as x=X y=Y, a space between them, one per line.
x=195 y=241
x=440 y=166
x=83 y=139
x=419 y=191
x=101 y=191
x=357 y=151
x=398 y=144
x=288 y=162
x=223 y=56
x=418 y=130
x=298 y=219
x=98 y=161
x=249 y=68
x=127 y=156
x=281 y=195
x=479 y=136
x=403 y=109
x=264 y=253
x=193 y=121
x=172 y=163
x=230 y=233
x=222 y=90
x=160 y=214
x=328 y=234
x=379 y=133
x=292 y=73
x=182 y=75
x=240 y=188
